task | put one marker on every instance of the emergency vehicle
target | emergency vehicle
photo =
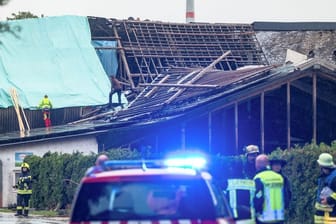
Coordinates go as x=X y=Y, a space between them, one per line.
x=172 y=191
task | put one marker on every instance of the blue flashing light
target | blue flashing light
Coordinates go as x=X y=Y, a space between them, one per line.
x=188 y=162
x=194 y=162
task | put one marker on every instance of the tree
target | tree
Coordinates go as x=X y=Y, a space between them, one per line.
x=4 y=27
x=22 y=15
x=3 y=2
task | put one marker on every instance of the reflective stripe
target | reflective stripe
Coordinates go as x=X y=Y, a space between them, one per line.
x=322 y=207
x=245 y=184
x=326 y=219
x=241 y=184
x=333 y=195
x=25 y=191
x=222 y=221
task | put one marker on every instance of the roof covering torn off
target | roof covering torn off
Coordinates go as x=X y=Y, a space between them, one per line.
x=149 y=48
x=181 y=89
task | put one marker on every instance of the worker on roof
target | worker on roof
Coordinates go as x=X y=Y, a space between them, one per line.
x=115 y=88
x=46 y=106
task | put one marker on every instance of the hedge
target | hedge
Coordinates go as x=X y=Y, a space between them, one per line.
x=56 y=175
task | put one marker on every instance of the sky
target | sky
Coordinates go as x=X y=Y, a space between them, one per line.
x=212 y=11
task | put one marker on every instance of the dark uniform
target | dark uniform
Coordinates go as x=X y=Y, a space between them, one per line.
x=241 y=187
x=116 y=88
x=325 y=209
x=24 y=191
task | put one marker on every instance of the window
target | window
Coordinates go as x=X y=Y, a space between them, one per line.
x=146 y=199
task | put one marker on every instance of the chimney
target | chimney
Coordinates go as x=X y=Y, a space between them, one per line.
x=190 y=14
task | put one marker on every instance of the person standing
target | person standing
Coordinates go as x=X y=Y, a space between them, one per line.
x=269 y=194
x=251 y=153
x=98 y=167
x=277 y=165
x=46 y=106
x=115 y=88
x=325 y=209
x=24 y=190
x=241 y=187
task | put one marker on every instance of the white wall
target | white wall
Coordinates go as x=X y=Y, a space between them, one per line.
x=84 y=144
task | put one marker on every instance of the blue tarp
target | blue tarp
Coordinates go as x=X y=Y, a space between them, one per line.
x=53 y=56
x=108 y=57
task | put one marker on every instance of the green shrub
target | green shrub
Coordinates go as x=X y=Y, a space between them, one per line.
x=56 y=176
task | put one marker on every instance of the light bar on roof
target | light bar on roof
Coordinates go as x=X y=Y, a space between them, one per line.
x=192 y=162
x=182 y=162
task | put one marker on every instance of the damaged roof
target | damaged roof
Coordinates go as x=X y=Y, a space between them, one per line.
x=210 y=91
x=171 y=63
x=180 y=90
x=148 y=48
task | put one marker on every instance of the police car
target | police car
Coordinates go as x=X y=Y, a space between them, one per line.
x=150 y=192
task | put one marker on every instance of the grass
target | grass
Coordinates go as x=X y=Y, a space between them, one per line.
x=45 y=213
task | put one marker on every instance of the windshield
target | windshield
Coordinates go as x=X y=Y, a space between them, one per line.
x=147 y=199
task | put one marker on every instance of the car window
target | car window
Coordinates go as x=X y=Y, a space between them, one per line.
x=147 y=199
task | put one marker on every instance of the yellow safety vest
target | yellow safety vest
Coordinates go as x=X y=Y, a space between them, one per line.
x=45 y=103
x=274 y=206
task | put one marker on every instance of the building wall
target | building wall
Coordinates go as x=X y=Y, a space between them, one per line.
x=317 y=44
x=85 y=144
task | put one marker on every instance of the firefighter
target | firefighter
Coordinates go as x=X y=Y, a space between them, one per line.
x=241 y=187
x=276 y=165
x=115 y=88
x=269 y=195
x=251 y=153
x=24 y=190
x=46 y=106
x=325 y=209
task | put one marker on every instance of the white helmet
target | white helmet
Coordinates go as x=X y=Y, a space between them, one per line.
x=251 y=149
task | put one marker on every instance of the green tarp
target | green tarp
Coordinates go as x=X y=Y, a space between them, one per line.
x=53 y=56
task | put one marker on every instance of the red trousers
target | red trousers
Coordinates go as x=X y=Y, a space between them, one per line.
x=46 y=118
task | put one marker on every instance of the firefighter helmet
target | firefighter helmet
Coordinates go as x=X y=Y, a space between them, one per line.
x=25 y=165
x=326 y=160
x=251 y=149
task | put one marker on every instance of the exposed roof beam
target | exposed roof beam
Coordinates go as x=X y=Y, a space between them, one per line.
x=199 y=75
x=179 y=85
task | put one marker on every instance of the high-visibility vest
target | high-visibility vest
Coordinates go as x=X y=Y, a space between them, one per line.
x=236 y=187
x=45 y=103
x=274 y=206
